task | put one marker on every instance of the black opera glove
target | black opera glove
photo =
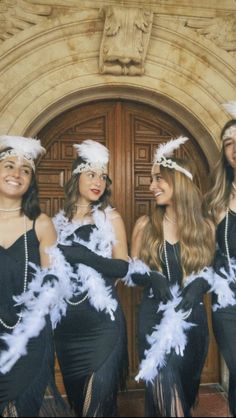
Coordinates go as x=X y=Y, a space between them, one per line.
x=193 y=294
x=157 y=282
x=140 y=279
x=221 y=262
x=108 y=267
x=160 y=287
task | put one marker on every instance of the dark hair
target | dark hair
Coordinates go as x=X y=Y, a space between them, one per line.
x=227 y=126
x=72 y=192
x=30 y=200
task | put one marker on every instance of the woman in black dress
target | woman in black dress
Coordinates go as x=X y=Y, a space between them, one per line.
x=221 y=205
x=175 y=243
x=25 y=233
x=91 y=340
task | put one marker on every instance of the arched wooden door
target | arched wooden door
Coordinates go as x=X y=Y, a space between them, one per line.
x=131 y=131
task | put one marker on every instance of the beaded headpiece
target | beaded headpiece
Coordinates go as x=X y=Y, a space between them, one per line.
x=95 y=155
x=166 y=150
x=231 y=109
x=21 y=147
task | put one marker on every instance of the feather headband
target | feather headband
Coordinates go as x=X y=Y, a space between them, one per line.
x=166 y=150
x=27 y=148
x=231 y=109
x=95 y=155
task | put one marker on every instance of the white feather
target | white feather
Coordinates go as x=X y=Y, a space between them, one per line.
x=230 y=107
x=167 y=149
x=22 y=145
x=93 y=152
x=135 y=266
x=221 y=287
x=169 y=335
x=40 y=300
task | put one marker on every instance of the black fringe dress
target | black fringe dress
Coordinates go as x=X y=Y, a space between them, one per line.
x=92 y=352
x=23 y=388
x=224 y=319
x=178 y=381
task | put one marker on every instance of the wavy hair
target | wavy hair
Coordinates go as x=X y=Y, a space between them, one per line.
x=195 y=233
x=216 y=200
x=72 y=193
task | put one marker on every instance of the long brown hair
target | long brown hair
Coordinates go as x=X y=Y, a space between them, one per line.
x=72 y=192
x=216 y=200
x=195 y=233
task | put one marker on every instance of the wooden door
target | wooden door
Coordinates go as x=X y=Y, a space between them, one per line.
x=131 y=131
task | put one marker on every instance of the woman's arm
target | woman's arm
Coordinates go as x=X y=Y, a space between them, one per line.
x=47 y=237
x=137 y=236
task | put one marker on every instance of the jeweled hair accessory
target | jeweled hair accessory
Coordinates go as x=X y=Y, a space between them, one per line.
x=230 y=107
x=95 y=155
x=21 y=147
x=166 y=150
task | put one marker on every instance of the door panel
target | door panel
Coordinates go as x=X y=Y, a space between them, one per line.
x=132 y=132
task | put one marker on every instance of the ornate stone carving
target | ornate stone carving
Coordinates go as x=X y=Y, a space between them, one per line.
x=221 y=30
x=17 y=15
x=125 y=40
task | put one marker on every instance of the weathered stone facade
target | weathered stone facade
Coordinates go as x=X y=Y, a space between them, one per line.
x=50 y=52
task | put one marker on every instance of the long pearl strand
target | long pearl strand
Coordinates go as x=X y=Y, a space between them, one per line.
x=77 y=303
x=226 y=242
x=166 y=261
x=8 y=327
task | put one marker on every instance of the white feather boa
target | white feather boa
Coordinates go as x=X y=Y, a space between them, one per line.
x=135 y=266
x=39 y=301
x=171 y=333
x=101 y=242
x=221 y=287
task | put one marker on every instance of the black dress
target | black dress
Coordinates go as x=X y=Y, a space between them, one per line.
x=92 y=352
x=224 y=320
x=23 y=388
x=179 y=380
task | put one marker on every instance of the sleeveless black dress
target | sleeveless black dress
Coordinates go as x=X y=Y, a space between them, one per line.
x=179 y=379
x=23 y=388
x=224 y=320
x=92 y=352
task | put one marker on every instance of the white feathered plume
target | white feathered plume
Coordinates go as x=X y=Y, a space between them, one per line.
x=40 y=300
x=93 y=152
x=230 y=107
x=169 y=335
x=24 y=146
x=167 y=149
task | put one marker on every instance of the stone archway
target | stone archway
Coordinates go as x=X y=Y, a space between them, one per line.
x=53 y=65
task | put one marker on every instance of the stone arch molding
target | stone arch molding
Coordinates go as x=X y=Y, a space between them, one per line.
x=53 y=64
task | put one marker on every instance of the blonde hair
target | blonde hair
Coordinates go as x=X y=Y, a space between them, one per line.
x=196 y=236
x=217 y=199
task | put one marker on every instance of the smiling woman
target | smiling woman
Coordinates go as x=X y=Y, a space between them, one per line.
x=25 y=234
x=91 y=340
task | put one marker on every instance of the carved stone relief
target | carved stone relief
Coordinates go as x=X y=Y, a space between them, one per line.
x=17 y=15
x=221 y=30
x=125 y=40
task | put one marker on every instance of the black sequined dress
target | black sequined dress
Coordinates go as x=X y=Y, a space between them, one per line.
x=92 y=352
x=23 y=388
x=224 y=320
x=176 y=387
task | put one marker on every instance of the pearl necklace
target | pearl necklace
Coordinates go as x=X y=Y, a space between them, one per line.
x=77 y=303
x=166 y=261
x=226 y=238
x=10 y=210
x=25 y=278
